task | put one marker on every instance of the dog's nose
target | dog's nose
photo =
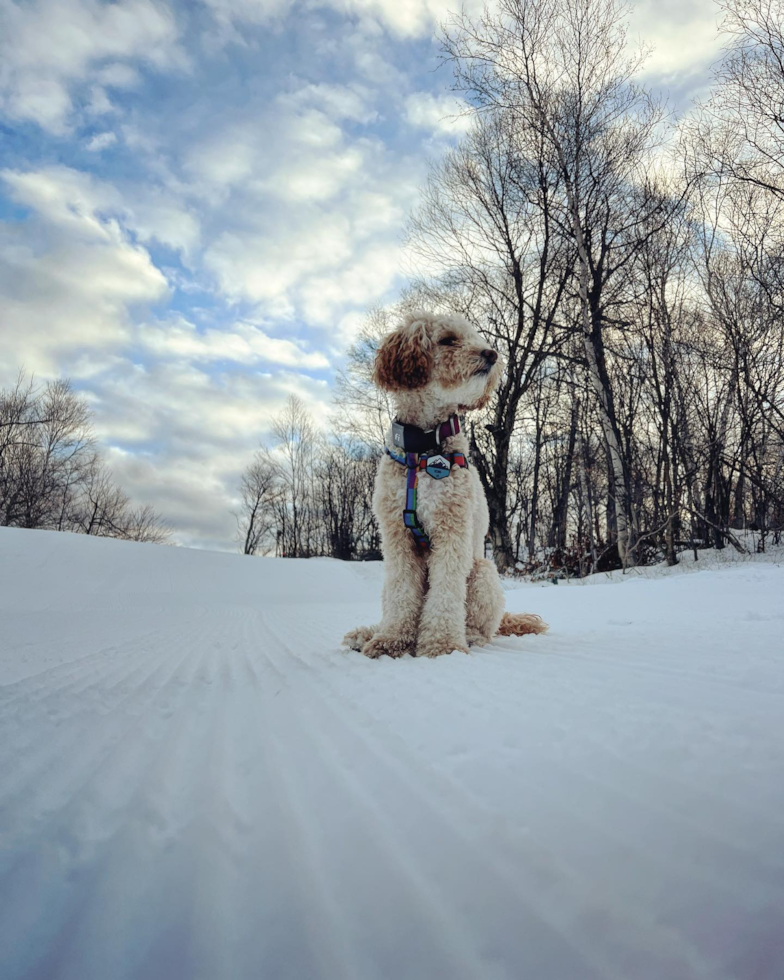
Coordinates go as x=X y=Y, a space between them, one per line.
x=490 y=356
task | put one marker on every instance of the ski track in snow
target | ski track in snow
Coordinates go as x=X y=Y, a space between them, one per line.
x=197 y=782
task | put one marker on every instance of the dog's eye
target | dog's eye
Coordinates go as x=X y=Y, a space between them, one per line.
x=448 y=341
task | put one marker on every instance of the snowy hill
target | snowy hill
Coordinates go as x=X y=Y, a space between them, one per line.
x=197 y=782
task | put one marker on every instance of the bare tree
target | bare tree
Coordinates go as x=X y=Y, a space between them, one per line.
x=51 y=472
x=362 y=410
x=486 y=234
x=45 y=445
x=309 y=494
x=259 y=492
x=562 y=71
x=739 y=135
x=295 y=433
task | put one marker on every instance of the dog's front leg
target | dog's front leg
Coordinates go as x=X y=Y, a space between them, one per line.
x=401 y=598
x=443 y=624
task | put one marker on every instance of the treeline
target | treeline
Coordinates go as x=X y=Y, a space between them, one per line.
x=308 y=494
x=628 y=268
x=52 y=475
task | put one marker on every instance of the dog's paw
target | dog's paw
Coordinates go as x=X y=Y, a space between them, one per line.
x=478 y=640
x=387 y=646
x=356 y=639
x=441 y=646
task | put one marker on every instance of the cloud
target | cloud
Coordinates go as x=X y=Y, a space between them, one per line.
x=82 y=203
x=442 y=114
x=293 y=150
x=179 y=437
x=231 y=12
x=101 y=141
x=195 y=494
x=683 y=35
x=312 y=206
x=49 y=47
x=68 y=275
x=315 y=264
x=404 y=18
x=243 y=343
x=339 y=102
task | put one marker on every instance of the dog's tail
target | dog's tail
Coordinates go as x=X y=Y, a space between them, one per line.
x=518 y=624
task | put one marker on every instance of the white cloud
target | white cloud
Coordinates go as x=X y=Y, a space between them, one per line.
x=188 y=435
x=230 y=12
x=312 y=212
x=118 y=75
x=358 y=284
x=80 y=202
x=402 y=18
x=101 y=141
x=682 y=33
x=179 y=407
x=49 y=47
x=293 y=151
x=406 y=18
x=68 y=275
x=316 y=263
x=267 y=265
x=243 y=343
x=194 y=494
x=155 y=214
x=193 y=411
x=339 y=102
x=441 y=114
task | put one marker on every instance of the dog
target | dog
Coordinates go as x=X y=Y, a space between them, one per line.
x=440 y=592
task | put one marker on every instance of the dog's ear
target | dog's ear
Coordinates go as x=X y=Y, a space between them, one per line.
x=404 y=359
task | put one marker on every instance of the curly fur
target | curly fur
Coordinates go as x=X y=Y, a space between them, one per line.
x=404 y=359
x=450 y=597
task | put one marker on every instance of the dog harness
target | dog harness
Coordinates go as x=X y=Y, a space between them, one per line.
x=436 y=464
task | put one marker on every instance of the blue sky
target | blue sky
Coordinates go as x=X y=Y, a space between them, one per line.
x=200 y=200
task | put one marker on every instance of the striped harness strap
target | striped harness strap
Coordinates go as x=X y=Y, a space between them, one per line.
x=438 y=466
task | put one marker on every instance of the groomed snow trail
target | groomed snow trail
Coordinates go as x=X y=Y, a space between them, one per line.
x=197 y=782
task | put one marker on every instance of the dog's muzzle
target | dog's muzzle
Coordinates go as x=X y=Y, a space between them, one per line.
x=489 y=357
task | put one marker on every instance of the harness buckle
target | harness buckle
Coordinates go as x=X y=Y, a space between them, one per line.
x=399 y=435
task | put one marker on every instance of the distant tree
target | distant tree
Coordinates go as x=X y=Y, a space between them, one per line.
x=362 y=409
x=295 y=435
x=51 y=472
x=259 y=492
x=308 y=493
x=740 y=132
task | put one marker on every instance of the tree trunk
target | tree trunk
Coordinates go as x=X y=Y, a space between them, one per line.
x=586 y=492
x=561 y=511
x=591 y=333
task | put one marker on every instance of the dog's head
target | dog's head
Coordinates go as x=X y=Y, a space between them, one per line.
x=444 y=354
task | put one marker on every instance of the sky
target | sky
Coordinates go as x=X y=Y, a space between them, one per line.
x=200 y=200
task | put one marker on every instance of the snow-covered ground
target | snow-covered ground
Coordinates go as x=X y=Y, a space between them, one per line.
x=197 y=782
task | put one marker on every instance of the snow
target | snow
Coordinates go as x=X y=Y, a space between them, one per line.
x=197 y=782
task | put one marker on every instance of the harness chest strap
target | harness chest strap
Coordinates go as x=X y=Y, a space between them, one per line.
x=414 y=464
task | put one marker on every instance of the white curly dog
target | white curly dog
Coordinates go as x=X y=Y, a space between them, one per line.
x=440 y=592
